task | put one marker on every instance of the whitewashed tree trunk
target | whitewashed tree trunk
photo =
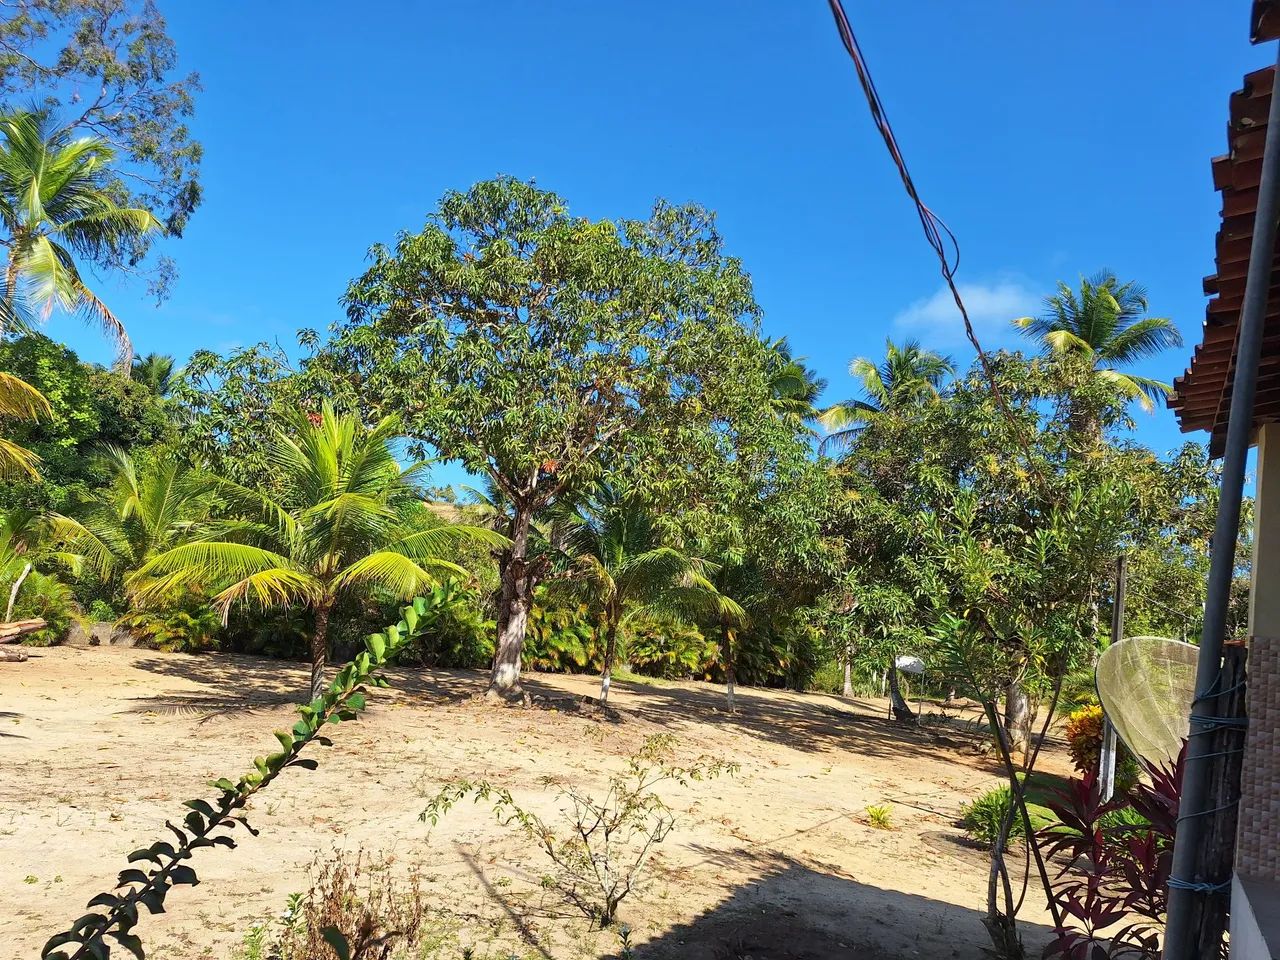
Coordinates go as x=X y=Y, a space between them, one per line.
x=513 y=612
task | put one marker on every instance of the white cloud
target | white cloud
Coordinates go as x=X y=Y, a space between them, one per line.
x=936 y=322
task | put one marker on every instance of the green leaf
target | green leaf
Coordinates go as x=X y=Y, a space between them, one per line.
x=202 y=806
x=377 y=646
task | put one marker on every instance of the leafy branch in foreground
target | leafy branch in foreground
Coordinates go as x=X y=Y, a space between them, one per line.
x=206 y=821
x=601 y=857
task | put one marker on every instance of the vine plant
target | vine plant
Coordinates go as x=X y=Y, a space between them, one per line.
x=208 y=823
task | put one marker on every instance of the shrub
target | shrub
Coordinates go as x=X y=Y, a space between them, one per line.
x=48 y=599
x=983 y=817
x=1084 y=742
x=352 y=900
x=559 y=639
x=190 y=626
x=602 y=855
x=1084 y=738
x=668 y=649
x=1113 y=867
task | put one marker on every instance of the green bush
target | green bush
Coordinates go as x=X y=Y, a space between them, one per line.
x=982 y=818
x=189 y=626
x=559 y=638
x=48 y=599
x=667 y=649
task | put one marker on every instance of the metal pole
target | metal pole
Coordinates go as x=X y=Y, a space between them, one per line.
x=1184 y=904
x=1107 y=755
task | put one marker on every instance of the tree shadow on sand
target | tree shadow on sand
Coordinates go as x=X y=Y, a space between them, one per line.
x=812 y=722
x=793 y=912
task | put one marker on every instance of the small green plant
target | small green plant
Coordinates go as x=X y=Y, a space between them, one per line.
x=29 y=878
x=208 y=823
x=601 y=857
x=983 y=817
x=625 y=950
x=880 y=816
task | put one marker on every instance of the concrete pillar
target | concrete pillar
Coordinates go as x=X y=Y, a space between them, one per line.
x=1255 y=907
x=1264 y=592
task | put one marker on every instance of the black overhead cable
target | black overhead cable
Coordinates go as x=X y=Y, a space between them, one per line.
x=936 y=232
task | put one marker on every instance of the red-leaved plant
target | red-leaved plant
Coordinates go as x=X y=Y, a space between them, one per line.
x=1112 y=871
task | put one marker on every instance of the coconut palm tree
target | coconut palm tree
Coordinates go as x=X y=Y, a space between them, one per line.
x=621 y=564
x=1106 y=325
x=56 y=206
x=138 y=514
x=156 y=371
x=908 y=375
x=20 y=401
x=349 y=518
x=794 y=387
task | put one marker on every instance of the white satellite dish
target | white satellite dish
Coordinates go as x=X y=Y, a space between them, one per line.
x=909 y=664
x=1146 y=685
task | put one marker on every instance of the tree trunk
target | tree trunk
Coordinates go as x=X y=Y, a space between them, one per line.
x=901 y=709
x=610 y=651
x=13 y=593
x=319 y=649
x=847 y=693
x=513 y=612
x=730 y=670
x=1017 y=719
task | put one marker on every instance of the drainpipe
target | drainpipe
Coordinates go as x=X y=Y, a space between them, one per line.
x=1185 y=889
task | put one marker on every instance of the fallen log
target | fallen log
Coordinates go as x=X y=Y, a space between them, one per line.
x=16 y=655
x=12 y=632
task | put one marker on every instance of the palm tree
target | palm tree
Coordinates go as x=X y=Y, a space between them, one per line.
x=742 y=599
x=907 y=376
x=19 y=400
x=56 y=205
x=619 y=559
x=349 y=519
x=1106 y=325
x=156 y=371
x=137 y=515
x=794 y=387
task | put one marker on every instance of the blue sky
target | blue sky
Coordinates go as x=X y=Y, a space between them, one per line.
x=1054 y=139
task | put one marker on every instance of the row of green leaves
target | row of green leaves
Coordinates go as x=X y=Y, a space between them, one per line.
x=162 y=866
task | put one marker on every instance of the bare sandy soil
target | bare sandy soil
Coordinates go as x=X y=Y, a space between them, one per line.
x=776 y=862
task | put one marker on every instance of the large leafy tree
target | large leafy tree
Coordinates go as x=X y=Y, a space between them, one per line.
x=57 y=206
x=1098 y=330
x=349 y=519
x=542 y=350
x=909 y=375
x=223 y=402
x=623 y=564
x=89 y=408
x=108 y=69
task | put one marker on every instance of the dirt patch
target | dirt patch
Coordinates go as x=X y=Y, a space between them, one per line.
x=99 y=745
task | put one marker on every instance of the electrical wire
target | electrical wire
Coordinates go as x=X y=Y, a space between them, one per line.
x=937 y=233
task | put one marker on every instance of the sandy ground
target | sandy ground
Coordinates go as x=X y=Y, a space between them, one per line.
x=776 y=862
